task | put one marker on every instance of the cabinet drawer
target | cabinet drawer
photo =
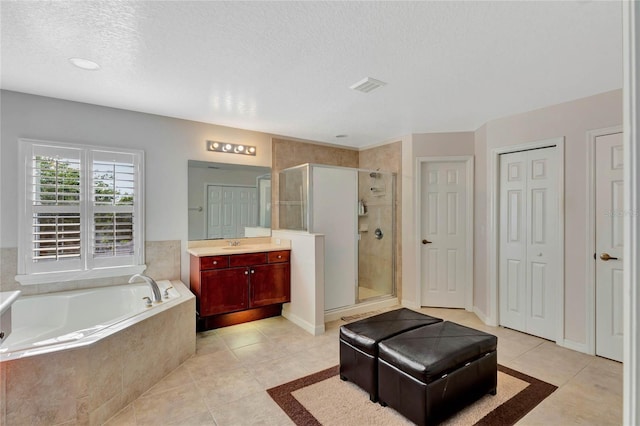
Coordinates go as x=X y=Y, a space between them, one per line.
x=278 y=256
x=247 y=259
x=214 y=262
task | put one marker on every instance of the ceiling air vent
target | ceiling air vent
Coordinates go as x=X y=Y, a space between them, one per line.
x=366 y=85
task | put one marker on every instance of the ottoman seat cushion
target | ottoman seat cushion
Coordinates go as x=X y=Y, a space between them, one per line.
x=427 y=353
x=431 y=372
x=365 y=334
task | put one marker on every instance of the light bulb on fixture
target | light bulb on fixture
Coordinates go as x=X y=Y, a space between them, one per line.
x=231 y=148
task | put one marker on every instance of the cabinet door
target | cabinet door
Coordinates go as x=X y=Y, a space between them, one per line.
x=224 y=290
x=270 y=284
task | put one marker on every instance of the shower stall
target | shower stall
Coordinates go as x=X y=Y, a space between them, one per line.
x=355 y=210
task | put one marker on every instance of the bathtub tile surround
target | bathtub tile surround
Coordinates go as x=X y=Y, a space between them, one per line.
x=90 y=384
x=161 y=257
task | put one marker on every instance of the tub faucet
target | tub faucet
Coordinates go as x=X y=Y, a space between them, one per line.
x=155 y=290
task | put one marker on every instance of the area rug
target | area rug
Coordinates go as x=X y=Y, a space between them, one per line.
x=323 y=399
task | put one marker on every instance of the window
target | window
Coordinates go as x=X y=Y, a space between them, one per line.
x=80 y=212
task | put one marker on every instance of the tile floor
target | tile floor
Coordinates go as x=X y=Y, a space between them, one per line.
x=224 y=383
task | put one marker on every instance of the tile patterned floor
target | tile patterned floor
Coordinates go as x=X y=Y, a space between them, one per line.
x=224 y=383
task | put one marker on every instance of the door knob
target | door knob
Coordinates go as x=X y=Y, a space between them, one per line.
x=605 y=257
x=426 y=242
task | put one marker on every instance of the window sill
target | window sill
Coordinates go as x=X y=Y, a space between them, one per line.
x=54 y=277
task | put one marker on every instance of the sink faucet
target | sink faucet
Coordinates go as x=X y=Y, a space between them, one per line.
x=155 y=290
x=235 y=243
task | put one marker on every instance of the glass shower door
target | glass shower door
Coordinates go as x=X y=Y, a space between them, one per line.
x=376 y=246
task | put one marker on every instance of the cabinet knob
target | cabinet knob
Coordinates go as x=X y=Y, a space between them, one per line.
x=246 y=272
x=253 y=271
x=215 y=262
x=279 y=257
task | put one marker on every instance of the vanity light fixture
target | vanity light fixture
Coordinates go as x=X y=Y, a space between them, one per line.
x=231 y=148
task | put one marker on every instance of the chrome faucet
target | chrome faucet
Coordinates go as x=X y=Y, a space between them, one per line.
x=235 y=243
x=155 y=290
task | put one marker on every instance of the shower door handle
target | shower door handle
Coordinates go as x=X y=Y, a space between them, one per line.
x=427 y=242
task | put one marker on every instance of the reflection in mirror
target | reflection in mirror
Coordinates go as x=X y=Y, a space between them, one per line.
x=228 y=200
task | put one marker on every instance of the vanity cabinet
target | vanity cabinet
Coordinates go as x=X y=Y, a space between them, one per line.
x=236 y=288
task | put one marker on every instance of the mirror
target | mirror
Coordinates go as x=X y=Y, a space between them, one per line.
x=228 y=200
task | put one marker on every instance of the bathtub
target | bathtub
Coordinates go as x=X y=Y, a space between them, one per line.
x=83 y=355
x=65 y=320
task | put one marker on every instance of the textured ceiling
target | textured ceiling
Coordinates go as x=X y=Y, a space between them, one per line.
x=286 y=67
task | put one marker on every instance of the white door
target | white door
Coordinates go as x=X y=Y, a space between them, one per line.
x=214 y=211
x=528 y=231
x=229 y=210
x=245 y=209
x=609 y=245
x=444 y=236
x=335 y=195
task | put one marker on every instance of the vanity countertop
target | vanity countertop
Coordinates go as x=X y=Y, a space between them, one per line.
x=7 y=298
x=243 y=247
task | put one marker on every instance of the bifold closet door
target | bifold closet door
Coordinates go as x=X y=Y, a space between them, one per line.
x=528 y=241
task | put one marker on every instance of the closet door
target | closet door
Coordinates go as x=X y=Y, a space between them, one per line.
x=528 y=241
x=513 y=242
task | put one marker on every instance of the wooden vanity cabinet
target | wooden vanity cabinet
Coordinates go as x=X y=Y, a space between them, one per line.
x=270 y=283
x=223 y=290
x=236 y=288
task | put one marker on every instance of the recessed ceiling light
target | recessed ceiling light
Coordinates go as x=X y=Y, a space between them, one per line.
x=84 y=64
x=341 y=136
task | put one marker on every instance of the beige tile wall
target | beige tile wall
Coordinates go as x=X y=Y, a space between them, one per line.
x=288 y=153
x=386 y=158
x=162 y=259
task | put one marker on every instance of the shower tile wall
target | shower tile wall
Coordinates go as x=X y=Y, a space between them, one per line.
x=288 y=153
x=373 y=259
x=162 y=259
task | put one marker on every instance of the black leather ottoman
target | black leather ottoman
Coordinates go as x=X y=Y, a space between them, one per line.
x=359 y=344
x=431 y=372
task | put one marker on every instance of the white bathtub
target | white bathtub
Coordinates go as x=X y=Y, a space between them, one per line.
x=80 y=356
x=58 y=321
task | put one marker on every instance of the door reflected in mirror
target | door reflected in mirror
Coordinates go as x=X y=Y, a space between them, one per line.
x=228 y=200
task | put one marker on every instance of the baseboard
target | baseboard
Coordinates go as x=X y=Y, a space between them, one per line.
x=575 y=346
x=481 y=315
x=315 y=330
x=410 y=304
